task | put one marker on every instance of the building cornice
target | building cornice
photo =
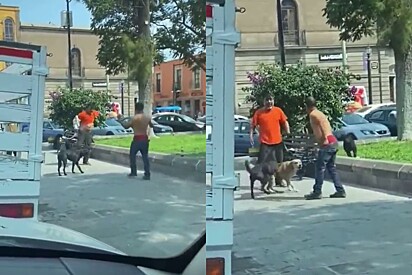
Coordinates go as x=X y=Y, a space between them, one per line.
x=52 y=28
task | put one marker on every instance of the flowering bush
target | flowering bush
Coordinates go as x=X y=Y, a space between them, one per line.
x=291 y=86
x=67 y=104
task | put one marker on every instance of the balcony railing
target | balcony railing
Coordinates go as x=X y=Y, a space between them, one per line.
x=292 y=38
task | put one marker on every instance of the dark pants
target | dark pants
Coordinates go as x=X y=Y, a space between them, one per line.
x=326 y=161
x=271 y=152
x=141 y=146
x=85 y=138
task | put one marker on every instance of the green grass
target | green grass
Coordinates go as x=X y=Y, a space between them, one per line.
x=188 y=145
x=397 y=151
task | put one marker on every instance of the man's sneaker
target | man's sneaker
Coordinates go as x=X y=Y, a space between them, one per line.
x=145 y=177
x=338 y=195
x=131 y=175
x=313 y=196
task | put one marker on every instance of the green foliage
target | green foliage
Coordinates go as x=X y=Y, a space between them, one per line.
x=390 y=20
x=67 y=104
x=290 y=88
x=180 y=28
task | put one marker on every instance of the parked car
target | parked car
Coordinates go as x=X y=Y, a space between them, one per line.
x=242 y=138
x=385 y=115
x=355 y=125
x=157 y=128
x=111 y=127
x=179 y=122
x=237 y=118
x=52 y=132
x=365 y=110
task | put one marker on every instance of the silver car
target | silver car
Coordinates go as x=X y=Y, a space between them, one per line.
x=355 y=125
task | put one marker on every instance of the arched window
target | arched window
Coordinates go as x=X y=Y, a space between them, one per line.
x=9 y=29
x=76 y=62
x=290 y=22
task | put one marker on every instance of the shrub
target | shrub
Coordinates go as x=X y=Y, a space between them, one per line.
x=67 y=104
x=291 y=86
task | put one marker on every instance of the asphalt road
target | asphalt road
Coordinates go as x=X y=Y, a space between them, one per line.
x=367 y=233
x=157 y=218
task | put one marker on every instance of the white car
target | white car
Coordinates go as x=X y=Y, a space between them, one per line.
x=369 y=108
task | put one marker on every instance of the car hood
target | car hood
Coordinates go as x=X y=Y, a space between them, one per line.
x=367 y=126
x=23 y=228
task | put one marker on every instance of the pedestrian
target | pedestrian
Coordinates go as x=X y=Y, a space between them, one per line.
x=141 y=125
x=270 y=120
x=86 y=118
x=327 y=152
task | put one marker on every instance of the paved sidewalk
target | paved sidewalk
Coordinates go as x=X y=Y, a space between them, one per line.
x=156 y=218
x=367 y=233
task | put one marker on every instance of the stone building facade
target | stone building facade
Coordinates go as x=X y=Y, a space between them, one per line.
x=308 y=39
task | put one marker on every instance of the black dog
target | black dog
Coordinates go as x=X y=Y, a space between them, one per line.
x=264 y=173
x=70 y=152
x=349 y=146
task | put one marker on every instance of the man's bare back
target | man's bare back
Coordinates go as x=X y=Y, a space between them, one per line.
x=140 y=124
x=320 y=126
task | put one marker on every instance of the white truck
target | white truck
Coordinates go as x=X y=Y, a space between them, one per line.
x=22 y=86
x=221 y=41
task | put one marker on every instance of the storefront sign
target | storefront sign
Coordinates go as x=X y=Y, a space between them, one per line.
x=330 y=57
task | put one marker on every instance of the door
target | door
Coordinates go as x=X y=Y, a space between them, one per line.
x=47 y=131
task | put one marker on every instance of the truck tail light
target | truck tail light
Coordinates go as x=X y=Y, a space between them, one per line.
x=215 y=266
x=17 y=210
x=209 y=11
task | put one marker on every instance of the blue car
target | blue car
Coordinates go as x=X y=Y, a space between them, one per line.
x=111 y=127
x=51 y=132
x=359 y=128
x=242 y=139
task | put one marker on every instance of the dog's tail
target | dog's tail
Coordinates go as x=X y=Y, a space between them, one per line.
x=248 y=166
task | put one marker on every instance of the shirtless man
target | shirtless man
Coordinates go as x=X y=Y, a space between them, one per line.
x=327 y=152
x=140 y=124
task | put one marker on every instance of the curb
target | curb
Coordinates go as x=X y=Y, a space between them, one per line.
x=163 y=163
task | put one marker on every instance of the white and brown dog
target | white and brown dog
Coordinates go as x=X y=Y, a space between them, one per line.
x=286 y=171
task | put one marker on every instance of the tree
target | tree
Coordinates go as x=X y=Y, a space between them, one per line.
x=291 y=86
x=180 y=28
x=67 y=104
x=125 y=43
x=391 y=21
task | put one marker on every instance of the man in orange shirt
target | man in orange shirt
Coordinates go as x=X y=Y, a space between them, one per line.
x=270 y=120
x=87 y=118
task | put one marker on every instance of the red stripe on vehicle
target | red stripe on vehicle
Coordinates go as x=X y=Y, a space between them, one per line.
x=16 y=53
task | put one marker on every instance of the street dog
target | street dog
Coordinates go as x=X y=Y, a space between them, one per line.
x=349 y=146
x=286 y=171
x=262 y=172
x=70 y=152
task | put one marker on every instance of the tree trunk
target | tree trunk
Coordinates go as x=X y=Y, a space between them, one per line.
x=145 y=84
x=403 y=70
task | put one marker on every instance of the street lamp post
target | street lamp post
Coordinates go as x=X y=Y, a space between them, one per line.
x=281 y=34
x=67 y=23
x=368 y=64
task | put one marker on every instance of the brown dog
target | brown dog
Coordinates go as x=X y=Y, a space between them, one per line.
x=286 y=171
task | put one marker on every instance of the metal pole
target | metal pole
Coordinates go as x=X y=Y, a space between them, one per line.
x=344 y=57
x=281 y=34
x=368 y=55
x=122 y=96
x=69 y=42
x=174 y=86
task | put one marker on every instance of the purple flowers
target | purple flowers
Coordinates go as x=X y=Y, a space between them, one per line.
x=55 y=95
x=256 y=78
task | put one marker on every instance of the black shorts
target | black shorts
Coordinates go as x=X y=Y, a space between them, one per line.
x=271 y=152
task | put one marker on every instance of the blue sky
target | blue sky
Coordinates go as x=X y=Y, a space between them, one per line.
x=41 y=12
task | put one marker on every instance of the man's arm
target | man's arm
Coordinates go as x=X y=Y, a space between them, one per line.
x=127 y=123
x=150 y=122
x=284 y=122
